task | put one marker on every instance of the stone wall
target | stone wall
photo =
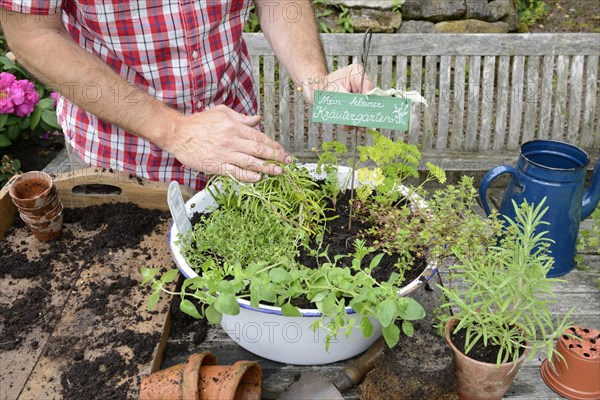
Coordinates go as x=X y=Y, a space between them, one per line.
x=421 y=16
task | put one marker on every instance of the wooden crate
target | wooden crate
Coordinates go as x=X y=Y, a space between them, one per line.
x=32 y=371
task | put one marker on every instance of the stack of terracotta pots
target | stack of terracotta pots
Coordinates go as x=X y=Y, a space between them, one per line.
x=36 y=196
x=202 y=379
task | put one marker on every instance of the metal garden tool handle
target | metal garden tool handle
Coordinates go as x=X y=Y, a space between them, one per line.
x=355 y=372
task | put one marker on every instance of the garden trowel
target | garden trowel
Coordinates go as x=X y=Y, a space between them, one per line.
x=313 y=386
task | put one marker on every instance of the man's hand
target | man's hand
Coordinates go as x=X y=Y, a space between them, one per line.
x=347 y=80
x=224 y=142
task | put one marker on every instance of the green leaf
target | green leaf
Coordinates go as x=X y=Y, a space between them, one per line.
x=366 y=327
x=394 y=277
x=4 y=141
x=189 y=308
x=391 y=334
x=36 y=116
x=225 y=287
x=49 y=117
x=13 y=119
x=24 y=124
x=280 y=275
x=169 y=276
x=329 y=305
x=9 y=65
x=212 y=315
x=319 y=296
x=386 y=312
x=194 y=282
x=148 y=274
x=3 y=119
x=12 y=132
x=46 y=104
x=407 y=328
x=153 y=299
x=226 y=303
x=45 y=127
x=410 y=309
x=289 y=310
x=375 y=261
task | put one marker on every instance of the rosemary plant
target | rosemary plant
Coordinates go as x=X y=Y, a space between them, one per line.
x=501 y=295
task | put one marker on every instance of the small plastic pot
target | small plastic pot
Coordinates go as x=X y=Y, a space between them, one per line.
x=201 y=379
x=579 y=378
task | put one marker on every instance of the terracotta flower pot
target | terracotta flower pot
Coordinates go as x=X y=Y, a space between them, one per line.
x=478 y=380
x=241 y=381
x=45 y=227
x=579 y=378
x=32 y=189
x=52 y=204
x=36 y=197
x=201 y=379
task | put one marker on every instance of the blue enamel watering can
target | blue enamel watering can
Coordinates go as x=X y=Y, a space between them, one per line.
x=556 y=171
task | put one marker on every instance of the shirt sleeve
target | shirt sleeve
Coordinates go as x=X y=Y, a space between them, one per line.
x=36 y=7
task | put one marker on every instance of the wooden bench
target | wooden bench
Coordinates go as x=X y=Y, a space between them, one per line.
x=487 y=93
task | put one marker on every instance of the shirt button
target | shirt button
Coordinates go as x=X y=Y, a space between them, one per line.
x=195 y=54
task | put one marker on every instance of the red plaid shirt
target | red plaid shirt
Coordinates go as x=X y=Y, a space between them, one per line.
x=189 y=54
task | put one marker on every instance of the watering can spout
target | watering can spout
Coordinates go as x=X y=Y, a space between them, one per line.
x=591 y=196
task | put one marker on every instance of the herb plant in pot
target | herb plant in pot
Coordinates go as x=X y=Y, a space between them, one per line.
x=261 y=260
x=500 y=301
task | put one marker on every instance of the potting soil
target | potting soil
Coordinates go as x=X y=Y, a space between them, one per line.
x=73 y=311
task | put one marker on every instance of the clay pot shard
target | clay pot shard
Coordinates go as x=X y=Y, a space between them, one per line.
x=201 y=379
x=579 y=377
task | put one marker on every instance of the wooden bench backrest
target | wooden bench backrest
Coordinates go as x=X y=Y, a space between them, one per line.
x=487 y=93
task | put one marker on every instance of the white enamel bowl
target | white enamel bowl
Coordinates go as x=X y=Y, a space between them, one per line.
x=265 y=332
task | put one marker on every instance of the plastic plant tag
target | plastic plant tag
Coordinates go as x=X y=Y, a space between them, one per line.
x=372 y=111
x=177 y=207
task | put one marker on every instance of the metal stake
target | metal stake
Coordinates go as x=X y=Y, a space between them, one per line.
x=363 y=59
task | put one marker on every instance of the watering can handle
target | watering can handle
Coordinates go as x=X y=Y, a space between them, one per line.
x=592 y=194
x=488 y=178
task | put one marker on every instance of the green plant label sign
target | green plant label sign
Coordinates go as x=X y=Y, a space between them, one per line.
x=361 y=110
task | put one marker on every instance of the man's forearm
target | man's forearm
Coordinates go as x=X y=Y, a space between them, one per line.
x=292 y=31
x=46 y=49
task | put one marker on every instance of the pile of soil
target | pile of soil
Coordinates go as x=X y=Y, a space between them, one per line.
x=340 y=236
x=421 y=367
x=92 y=236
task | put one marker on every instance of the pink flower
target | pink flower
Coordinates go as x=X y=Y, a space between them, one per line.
x=16 y=96
x=6 y=104
x=25 y=97
x=54 y=95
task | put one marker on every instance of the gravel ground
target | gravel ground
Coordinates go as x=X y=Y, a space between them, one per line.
x=570 y=16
